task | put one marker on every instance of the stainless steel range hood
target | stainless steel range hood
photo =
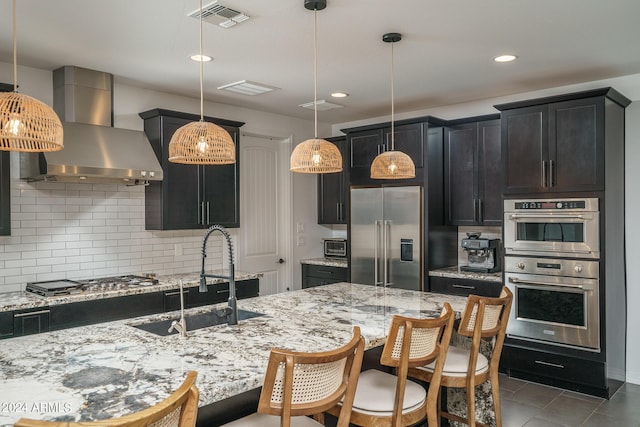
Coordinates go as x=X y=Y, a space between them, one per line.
x=94 y=151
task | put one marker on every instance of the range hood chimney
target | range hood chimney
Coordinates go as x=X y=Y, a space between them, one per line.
x=94 y=151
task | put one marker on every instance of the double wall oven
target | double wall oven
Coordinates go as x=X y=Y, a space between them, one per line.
x=552 y=252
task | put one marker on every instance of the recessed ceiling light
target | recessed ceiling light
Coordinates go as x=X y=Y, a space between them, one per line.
x=505 y=58
x=339 y=94
x=201 y=58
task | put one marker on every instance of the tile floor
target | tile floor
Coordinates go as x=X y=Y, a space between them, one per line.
x=526 y=404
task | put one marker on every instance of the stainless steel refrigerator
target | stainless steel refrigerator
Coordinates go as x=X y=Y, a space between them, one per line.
x=386 y=237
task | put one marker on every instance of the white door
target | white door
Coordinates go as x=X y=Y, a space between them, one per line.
x=264 y=236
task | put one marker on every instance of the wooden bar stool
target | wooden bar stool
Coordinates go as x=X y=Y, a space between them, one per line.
x=178 y=410
x=483 y=317
x=384 y=399
x=298 y=384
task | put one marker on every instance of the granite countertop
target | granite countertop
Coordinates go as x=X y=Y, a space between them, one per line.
x=24 y=300
x=328 y=262
x=455 y=273
x=110 y=369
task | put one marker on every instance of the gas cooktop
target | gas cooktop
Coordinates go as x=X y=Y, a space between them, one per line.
x=69 y=287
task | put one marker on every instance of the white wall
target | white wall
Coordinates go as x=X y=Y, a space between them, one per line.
x=629 y=86
x=128 y=102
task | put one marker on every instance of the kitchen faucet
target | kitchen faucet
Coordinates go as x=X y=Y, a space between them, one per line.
x=180 y=325
x=232 y=309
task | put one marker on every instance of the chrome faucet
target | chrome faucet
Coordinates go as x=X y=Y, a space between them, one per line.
x=232 y=309
x=180 y=325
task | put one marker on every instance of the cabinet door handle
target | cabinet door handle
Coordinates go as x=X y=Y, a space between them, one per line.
x=31 y=313
x=170 y=294
x=552 y=181
x=338 y=211
x=325 y=271
x=544 y=174
x=555 y=365
x=208 y=212
x=475 y=209
x=463 y=287
x=480 y=216
x=201 y=213
x=222 y=291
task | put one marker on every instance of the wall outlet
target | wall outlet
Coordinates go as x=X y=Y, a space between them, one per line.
x=177 y=249
x=300 y=241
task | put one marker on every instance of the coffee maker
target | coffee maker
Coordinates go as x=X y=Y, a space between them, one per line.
x=483 y=254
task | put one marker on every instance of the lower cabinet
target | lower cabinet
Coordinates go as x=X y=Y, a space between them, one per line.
x=464 y=287
x=83 y=313
x=32 y=321
x=6 y=324
x=318 y=275
x=219 y=292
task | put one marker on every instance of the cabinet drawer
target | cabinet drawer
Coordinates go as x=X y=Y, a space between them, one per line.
x=32 y=321
x=219 y=292
x=6 y=324
x=464 y=287
x=556 y=367
x=338 y=274
x=312 y=282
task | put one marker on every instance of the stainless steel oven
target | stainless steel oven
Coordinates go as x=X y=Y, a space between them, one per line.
x=554 y=301
x=566 y=228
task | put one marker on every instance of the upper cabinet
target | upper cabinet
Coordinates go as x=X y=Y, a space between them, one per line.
x=5 y=183
x=557 y=144
x=473 y=175
x=333 y=190
x=190 y=196
x=365 y=143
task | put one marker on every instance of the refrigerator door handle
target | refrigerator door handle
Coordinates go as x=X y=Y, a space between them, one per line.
x=386 y=235
x=376 y=247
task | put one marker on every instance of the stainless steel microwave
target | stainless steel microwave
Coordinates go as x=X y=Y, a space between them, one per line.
x=564 y=228
x=335 y=248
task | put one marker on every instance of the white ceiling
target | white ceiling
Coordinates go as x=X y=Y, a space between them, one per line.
x=445 y=56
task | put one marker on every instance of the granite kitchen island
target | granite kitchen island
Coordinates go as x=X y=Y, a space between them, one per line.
x=111 y=369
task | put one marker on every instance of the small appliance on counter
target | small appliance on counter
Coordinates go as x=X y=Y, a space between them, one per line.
x=483 y=254
x=335 y=247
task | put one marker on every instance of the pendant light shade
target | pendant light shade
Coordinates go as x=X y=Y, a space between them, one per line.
x=392 y=164
x=315 y=155
x=27 y=124
x=202 y=143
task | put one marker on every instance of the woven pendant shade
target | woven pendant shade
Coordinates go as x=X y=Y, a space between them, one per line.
x=202 y=143
x=29 y=125
x=316 y=156
x=393 y=165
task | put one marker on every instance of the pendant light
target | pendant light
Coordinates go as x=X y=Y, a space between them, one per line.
x=202 y=143
x=392 y=164
x=315 y=155
x=27 y=124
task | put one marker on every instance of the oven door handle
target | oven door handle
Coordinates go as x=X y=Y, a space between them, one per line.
x=517 y=281
x=553 y=217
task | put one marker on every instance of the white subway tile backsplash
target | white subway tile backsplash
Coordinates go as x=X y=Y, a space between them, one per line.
x=79 y=231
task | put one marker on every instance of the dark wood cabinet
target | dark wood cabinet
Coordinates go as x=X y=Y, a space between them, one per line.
x=31 y=321
x=473 y=176
x=319 y=275
x=6 y=324
x=333 y=190
x=84 y=313
x=365 y=144
x=190 y=196
x=219 y=292
x=556 y=144
x=464 y=287
x=5 y=184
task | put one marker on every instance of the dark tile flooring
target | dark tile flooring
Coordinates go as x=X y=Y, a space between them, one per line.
x=526 y=404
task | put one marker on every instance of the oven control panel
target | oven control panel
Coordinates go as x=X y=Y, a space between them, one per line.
x=552 y=267
x=580 y=205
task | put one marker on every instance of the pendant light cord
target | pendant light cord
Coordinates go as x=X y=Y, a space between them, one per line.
x=315 y=72
x=15 y=49
x=201 y=69
x=392 y=102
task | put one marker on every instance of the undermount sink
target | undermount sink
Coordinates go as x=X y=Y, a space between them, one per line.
x=195 y=321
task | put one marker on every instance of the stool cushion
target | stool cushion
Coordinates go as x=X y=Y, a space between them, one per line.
x=376 y=394
x=457 y=363
x=265 y=420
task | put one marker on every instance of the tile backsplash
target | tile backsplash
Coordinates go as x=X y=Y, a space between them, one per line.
x=76 y=231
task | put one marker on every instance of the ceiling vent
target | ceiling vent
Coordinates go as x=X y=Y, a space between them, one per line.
x=246 y=87
x=322 y=105
x=218 y=14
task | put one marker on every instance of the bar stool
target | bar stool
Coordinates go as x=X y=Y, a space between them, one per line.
x=180 y=409
x=483 y=317
x=299 y=384
x=384 y=399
